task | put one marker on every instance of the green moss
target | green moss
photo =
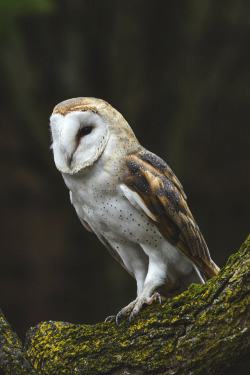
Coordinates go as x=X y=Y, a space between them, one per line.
x=194 y=332
x=13 y=360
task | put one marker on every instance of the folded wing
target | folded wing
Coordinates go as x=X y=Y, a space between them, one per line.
x=157 y=191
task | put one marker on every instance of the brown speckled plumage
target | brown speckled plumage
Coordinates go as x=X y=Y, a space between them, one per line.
x=159 y=188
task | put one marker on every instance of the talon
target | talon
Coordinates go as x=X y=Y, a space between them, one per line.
x=132 y=315
x=159 y=297
x=117 y=317
x=109 y=317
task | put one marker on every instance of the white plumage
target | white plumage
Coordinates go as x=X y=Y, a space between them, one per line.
x=129 y=198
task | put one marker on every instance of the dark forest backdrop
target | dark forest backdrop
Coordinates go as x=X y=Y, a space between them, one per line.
x=179 y=72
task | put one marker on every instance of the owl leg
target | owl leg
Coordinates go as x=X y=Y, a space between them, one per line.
x=156 y=276
x=131 y=305
x=148 y=277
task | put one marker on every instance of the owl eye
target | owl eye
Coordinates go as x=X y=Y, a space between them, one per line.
x=85 y=131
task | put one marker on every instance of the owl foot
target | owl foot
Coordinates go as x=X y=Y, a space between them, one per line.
x=136 y=305
x=125 y=310
x=144 y=301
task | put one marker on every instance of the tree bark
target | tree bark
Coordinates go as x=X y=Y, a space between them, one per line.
x=13 y=359
x=205 y=330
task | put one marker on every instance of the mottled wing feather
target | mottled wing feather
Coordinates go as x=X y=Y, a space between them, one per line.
x=162 y=167
x=155 y=183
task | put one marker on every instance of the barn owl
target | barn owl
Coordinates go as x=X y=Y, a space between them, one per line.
x=131 y=200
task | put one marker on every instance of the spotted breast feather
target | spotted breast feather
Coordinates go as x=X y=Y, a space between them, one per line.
x=161 y=197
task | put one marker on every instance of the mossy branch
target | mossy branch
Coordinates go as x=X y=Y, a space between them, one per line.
x=205 y=330
x=13 y=358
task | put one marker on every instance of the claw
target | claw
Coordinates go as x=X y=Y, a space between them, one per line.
x=125 y=310
x=138 y=307
x=131 y=316
x=135 y=306
x=117 y=317
x=157 y=294
x=109 y=317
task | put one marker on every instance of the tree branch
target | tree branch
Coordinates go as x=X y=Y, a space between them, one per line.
x=205 y=330
x=13 y=358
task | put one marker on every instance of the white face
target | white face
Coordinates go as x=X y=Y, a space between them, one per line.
x=78 y=139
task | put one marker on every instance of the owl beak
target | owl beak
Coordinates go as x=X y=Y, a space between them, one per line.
x=69 y=159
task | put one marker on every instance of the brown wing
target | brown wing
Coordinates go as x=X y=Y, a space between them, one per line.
x=161 y=192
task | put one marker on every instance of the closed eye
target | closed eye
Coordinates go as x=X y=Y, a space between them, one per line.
x=85 y=131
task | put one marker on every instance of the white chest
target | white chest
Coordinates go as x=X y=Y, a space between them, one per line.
x=97 y=199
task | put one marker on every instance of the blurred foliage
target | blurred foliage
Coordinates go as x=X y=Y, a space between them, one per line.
x=179 y=73
x=12 y=10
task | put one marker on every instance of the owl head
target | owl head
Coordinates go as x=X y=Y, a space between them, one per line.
x=82 y=128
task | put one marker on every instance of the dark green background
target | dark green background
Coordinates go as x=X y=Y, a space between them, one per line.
x=179 y=72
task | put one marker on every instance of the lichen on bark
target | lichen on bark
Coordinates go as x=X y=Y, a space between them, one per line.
x=205 y=330
x=13 y=359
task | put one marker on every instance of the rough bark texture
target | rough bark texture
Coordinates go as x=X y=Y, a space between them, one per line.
x=13 y=358
x=205 y=330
